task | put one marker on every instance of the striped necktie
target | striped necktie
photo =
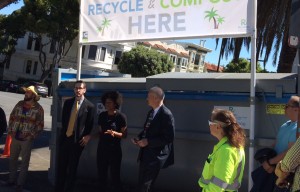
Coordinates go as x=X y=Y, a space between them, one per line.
x=72 y=120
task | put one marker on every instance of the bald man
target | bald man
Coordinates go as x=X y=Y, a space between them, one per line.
x=155 y=141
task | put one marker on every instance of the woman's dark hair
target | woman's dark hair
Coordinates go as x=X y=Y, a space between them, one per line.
x=232 y=130
x=115 y=96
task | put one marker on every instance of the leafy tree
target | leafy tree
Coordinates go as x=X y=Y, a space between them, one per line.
x=143 y=62
x=242 y=66
x=11 y=29
x=273 y=21
x=56 y=19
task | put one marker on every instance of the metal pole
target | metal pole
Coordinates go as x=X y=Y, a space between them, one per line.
x=79 y=61
x=252 y=96
x=79 y=45
x=297 y=59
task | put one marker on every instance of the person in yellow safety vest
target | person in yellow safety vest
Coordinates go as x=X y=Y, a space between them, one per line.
x=224 y=168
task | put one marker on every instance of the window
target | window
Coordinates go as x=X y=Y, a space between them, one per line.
x=92 y=52
x=202 y=59
x=193 y=55
x=29 y=43
x=28 y=66
x=179 y=61
x=35 y=67
x=82 y=51
x=173 y=58
x=52 y=46
x=118 y=57
x=197 y=59
x=102 y=54
x=37 y=45
x=184 y=62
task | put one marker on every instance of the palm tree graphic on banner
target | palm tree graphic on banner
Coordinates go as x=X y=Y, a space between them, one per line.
x=212 y=14
x=104 y=25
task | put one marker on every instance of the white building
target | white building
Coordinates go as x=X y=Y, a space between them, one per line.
x=24 y=64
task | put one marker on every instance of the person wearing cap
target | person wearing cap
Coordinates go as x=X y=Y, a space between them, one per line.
x=224 y=167
x=26 y=122
x=77 y=122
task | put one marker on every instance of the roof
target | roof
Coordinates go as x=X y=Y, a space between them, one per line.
x=194 y=46
x=4 y=3
x=212 y=67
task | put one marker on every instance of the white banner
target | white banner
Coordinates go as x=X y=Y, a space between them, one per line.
x=125 y=20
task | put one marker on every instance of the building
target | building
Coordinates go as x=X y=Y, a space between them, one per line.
x=187 y=57
x=25 y=63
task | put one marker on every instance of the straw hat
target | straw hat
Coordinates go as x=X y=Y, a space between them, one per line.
x=32 y=89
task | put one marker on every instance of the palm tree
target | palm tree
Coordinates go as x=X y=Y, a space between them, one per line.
x=273 y=21
x=105 y=24
x=220 y=21
x=211 y=15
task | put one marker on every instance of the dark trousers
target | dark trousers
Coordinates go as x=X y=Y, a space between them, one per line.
x=148 y=173
x=109 y=160
x=68 y=159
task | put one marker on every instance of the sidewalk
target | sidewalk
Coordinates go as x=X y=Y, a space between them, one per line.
x=37 y=179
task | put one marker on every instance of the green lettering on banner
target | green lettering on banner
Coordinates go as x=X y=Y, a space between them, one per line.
x=275 y=109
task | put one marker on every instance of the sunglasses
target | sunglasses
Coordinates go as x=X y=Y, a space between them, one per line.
x=291 y=106
x=211 y=123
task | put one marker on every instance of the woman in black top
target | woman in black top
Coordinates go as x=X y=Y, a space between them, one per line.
x=113 y=128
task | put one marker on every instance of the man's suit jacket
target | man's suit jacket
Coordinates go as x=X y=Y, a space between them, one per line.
x=160 y=136
x=84 y=121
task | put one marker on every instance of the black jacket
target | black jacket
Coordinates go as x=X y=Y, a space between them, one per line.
x=160 y=136
x=84 y=121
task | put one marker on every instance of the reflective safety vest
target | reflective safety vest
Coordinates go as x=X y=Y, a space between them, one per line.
x=223 y=169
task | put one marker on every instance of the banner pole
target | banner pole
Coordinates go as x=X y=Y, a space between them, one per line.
x=252 y=96
x=79 y=45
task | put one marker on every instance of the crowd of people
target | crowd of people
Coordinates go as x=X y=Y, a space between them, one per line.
x=223 y=169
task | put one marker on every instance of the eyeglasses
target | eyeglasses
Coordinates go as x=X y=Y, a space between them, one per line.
x=291 y=106
x=78 y=88
x=211 y=123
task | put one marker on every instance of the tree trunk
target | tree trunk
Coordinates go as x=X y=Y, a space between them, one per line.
x=287 y=53
x=287 y=56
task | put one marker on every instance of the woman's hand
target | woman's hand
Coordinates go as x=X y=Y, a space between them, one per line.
x=110 y=132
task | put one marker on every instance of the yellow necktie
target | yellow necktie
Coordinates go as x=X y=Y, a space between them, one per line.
x=72 y=120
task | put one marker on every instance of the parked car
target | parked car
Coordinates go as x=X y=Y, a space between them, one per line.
x=7 y=85
x=41 y=88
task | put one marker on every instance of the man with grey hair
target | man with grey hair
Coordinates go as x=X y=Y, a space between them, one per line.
x=285 y=139
x=155 y=141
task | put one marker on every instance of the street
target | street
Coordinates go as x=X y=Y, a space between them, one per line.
x=9 y=100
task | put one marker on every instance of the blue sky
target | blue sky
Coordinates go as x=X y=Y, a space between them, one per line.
x=211 y=57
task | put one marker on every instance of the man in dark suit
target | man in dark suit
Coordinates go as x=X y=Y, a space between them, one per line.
x=155 y=141
x=77 y=123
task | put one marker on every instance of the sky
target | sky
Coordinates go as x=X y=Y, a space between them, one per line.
x=210 y=43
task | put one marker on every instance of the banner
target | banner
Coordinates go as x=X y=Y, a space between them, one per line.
x=133 y=20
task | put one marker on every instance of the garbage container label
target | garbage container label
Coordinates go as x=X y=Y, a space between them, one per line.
x=275 y=109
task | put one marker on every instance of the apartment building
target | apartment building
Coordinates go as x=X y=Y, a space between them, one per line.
x=25 y=64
